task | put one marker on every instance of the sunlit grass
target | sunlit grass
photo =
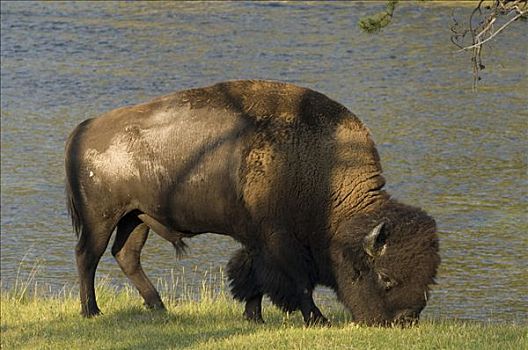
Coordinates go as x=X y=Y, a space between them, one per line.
x=211 y=320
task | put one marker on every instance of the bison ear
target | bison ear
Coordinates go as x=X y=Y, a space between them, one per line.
x=374 y=242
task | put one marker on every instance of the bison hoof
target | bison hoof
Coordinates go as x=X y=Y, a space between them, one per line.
x=318 y=321
x=155 y=306
x=91 y=313
x=252 y=317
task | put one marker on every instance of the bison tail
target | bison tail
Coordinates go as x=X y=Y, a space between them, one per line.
x=73 y=211
x=72 y=165
x=179 y=247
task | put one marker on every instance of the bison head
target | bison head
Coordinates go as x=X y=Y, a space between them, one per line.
x=384 y=263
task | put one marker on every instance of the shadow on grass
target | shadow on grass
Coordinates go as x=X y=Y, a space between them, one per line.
x=127 y=325
x=132 y=328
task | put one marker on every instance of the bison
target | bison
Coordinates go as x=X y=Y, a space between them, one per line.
x=286 y=171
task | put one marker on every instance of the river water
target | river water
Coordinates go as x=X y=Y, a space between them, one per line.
x=460 y=155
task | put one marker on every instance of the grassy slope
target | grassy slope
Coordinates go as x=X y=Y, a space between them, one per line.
x=215 y=323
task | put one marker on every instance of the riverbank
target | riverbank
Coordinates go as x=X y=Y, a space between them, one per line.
x=213 y=321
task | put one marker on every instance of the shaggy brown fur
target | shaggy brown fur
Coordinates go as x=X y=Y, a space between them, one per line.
x=289 y=173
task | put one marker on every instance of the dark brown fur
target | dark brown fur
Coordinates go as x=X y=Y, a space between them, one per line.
x=289 y=173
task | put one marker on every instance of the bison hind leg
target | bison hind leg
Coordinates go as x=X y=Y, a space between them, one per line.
x=131 y=236
x=244 y=284
x=92 y=243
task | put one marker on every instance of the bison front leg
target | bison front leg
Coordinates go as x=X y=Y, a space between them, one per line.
x=288 y=285
x=291 y=277
x=244 y=284
x=311 y=313
x=253 y=309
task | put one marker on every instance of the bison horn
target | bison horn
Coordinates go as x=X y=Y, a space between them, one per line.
x=374 y=240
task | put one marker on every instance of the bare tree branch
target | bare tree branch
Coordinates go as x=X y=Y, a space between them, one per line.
x=479 y=43
x=484 y=31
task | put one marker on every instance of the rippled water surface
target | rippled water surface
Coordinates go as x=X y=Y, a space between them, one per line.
x=460 y=155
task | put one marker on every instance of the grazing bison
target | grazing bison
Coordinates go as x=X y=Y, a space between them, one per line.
x=289 y=173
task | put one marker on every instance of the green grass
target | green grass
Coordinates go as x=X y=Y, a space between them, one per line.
x=213 y=321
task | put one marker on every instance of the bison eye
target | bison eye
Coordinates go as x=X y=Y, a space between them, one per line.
x=386 y=282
